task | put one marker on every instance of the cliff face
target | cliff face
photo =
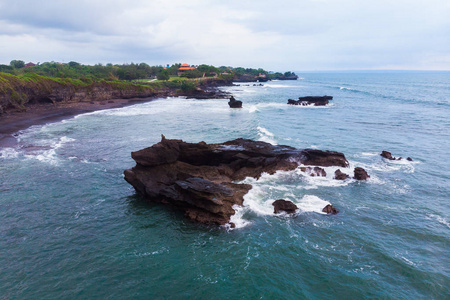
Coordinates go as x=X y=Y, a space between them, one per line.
x=16 y=93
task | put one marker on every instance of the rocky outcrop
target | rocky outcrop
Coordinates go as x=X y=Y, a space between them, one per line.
x=308 y=100
x=388 y=155
x=324 y=158
x=233 y=103
x=339 y=175
x=329 y=209
x=284 y=205
x=360 y=174
x=199 y=178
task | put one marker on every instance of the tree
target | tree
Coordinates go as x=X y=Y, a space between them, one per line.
x=17 y=64
x=163 y=75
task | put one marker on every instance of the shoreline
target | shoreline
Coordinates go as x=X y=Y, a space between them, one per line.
x=41 y=114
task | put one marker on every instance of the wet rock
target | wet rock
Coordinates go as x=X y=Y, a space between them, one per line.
x=233 y=103
x=316 y=171
x=409 y=159
x=284 y=205
x=387 y=155
x=324 y=158
x=339 y=175
x=308 y=100
x=329 y=209
x=360 y=174
x=199 y=178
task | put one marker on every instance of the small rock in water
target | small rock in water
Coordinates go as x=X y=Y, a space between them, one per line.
x=284 y=205
x=409 y=159
x=360 y=174
x=339 y=175
x=387 y=154
x=233 y=103
x=329 y=209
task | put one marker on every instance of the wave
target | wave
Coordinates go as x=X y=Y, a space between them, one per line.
x=8 y=153
x=266 y=136
x=440 y=219
x=47 y=153
x=281 y=185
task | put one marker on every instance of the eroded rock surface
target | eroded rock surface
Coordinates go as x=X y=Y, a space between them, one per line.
x=199 y=178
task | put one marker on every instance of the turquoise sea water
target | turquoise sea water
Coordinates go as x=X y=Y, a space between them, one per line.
x=72 y=228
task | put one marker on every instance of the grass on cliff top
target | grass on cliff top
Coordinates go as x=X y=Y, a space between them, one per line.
x=35 y=81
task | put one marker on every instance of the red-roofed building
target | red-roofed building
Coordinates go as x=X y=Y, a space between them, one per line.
x=183 y=68
x=30 y=64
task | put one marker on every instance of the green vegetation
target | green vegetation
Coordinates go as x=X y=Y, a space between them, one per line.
x=133 y=72
x=22 y=83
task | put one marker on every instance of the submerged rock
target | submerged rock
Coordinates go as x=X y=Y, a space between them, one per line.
x=329 y=209
x=316 y=171
x=284 y=205
x=308 y=100
x=198 y=178
x=360 y=174
x=233 y=103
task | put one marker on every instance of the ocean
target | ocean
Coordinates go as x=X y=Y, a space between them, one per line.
x=72 y=228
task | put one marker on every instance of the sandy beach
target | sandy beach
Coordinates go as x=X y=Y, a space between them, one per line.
x=39 y=114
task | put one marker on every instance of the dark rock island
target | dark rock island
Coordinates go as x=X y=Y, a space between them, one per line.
x=309 y=100
x=199 y=178
x=233 y=103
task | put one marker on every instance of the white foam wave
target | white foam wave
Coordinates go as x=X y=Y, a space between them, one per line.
x=392 y=166
x=281 y=185
x=311 y=203
x=266 y=136
x=8 y=153
x=49 y=155
x=277 y=86
x=440 y=219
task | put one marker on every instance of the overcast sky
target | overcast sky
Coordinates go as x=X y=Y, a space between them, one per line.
x=276 y=35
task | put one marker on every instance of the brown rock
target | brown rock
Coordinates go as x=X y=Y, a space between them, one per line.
x=329 y=209
x=339 y=175
x=284 y=205
x=198 y=178
x=360 y=174
x=323 y=158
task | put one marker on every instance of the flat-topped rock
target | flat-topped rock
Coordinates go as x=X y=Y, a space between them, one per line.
x=199 y=178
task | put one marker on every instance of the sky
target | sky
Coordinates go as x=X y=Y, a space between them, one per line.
x=305 y=35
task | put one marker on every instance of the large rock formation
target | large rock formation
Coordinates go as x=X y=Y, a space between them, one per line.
x=308 y=100
x=198 y=178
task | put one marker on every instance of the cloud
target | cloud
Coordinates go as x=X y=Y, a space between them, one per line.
x=294 y=35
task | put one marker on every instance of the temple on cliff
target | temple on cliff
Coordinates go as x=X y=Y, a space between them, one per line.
x=184 y=68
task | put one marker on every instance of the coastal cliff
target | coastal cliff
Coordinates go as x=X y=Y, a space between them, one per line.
x=17 y=93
